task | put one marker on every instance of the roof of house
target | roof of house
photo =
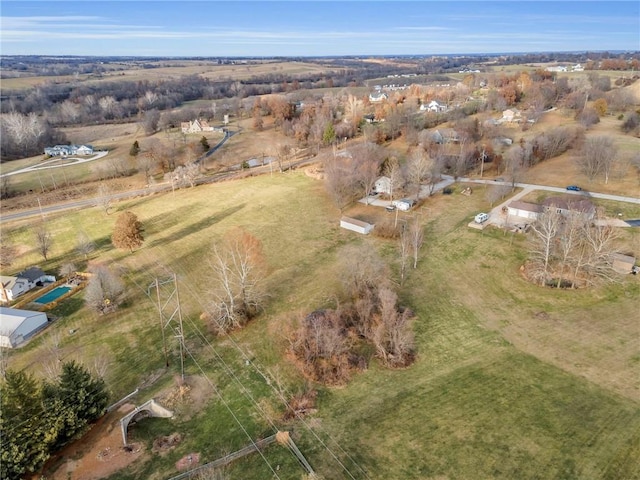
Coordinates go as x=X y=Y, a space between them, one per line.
x=570 y=204
x=8 y=282
x=526 y=206
x=32 y=274
x=12 y=318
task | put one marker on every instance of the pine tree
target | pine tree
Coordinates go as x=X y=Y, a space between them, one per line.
x=135 y=149
x=23 y=443
x=82 y=399
x=205 y=143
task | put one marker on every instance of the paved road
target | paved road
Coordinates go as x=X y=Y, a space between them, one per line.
x=495 y=216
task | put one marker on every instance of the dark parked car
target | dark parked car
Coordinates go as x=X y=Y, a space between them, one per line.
x=574 y=188
x=447 y=191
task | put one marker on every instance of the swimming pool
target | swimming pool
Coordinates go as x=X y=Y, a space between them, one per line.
x=52 y=295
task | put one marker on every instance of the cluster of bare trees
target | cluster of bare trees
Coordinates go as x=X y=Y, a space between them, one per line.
x=239 y=267
x=597 y=157
x=568 y=250
x=25 y=135
x=330 y=343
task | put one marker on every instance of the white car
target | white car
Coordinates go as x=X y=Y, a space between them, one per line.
x=481 y=218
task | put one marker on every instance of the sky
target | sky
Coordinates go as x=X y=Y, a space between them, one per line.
x=320 y=28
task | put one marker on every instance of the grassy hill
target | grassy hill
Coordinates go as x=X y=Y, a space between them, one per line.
x=511 y=380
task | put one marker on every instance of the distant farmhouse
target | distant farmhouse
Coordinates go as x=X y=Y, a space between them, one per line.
x=433 y=106
x=66 y=150
x=198 y=126
x=13 y=287
x=378 y=97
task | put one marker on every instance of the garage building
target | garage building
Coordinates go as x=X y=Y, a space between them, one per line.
x=17 y=326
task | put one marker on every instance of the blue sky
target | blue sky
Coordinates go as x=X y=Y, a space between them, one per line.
x=293 y=28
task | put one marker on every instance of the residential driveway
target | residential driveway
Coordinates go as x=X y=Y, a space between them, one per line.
x=55 y=163
x=424 y=192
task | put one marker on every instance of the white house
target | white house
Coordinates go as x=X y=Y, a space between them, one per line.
x=433 y=106
x=84 y=150
x=16 y=326
x=13 y=287
x=383 y=185
x=524 y=210
x=378 y=97
x=196 y=126
x=356 y=225
x=65 y=150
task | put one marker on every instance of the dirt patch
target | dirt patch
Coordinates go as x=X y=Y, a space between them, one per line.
x=188 y=462
x=162 y=445
x=98 y=454
x=186 y=398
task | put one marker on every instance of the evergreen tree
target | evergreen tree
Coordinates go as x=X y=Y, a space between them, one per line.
x=135 y=149
x=329 y=134
x=205 y=143
x=23 y=443
x=82 y=399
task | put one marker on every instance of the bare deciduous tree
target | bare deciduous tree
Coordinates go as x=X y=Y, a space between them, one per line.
x=341 y=180
x=84 y=244
x=497 y=192
x=104 y=292
x=44 y=240
x=105 y=198
x=545 y=229
x=416 y=235
x=598 y=157
x=238 y=268
x=68 y=269
x=393 y=337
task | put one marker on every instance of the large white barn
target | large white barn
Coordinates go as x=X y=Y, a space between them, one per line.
x=17 y=326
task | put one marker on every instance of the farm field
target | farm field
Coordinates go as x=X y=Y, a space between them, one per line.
x=511 y=380
x=172 y=69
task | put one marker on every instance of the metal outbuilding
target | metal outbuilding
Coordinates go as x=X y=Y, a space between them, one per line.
x=17 y=326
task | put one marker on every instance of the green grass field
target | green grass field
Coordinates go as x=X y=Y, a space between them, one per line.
x=511 y=380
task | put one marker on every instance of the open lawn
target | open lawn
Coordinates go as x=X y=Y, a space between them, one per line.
x=511 y=380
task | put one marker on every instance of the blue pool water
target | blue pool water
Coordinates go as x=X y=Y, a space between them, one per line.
x=52 y=295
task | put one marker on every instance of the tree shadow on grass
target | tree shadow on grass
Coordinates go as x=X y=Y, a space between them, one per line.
x=163 y=221
x=197 y=226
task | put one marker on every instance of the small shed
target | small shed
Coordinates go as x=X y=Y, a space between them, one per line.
x=623 y=263
x=17 y=326
x=356 y=225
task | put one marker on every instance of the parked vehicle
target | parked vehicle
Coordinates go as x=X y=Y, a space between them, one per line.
x=481 y=218
x=403 y=204
x=574 y=188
